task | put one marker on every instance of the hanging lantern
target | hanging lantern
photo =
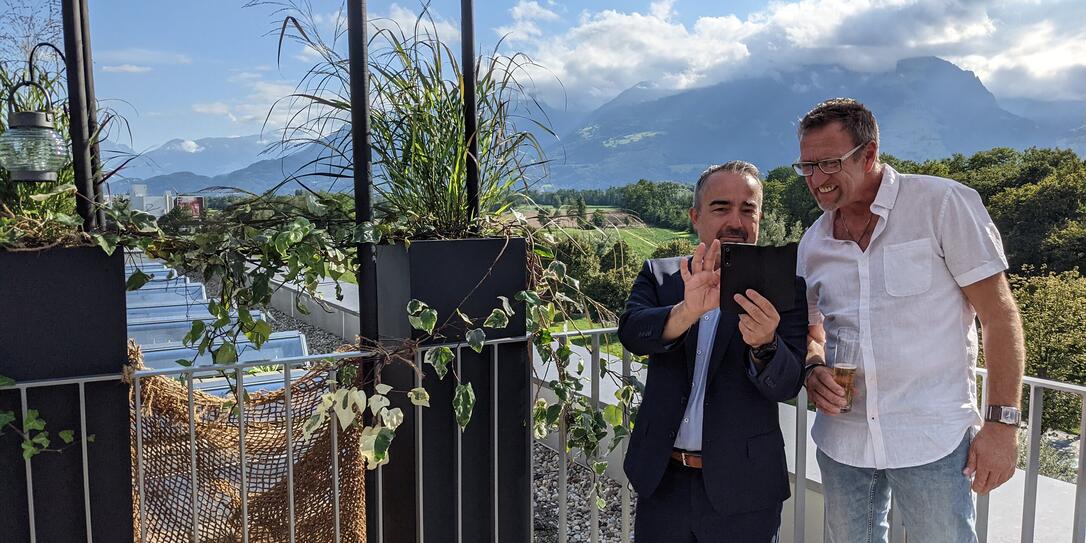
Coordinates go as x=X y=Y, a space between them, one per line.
x=31 y=150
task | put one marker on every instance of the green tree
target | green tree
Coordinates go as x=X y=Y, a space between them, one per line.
x=773 y=231
x=675 y=247
x=786 y=194
x=581 y=210
x=662 y=204
x=1053 y=308
x=1026 y=215
x=618 y=256
x=598 y=219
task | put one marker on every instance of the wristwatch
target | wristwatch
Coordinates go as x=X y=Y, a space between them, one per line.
x=1003 y=415
x=765 y=352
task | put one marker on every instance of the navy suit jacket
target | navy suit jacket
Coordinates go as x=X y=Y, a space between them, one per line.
x=742 y=444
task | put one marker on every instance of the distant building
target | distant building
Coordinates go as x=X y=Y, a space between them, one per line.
x=138 y=199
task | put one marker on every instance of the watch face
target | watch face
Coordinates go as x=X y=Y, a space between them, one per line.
x=1007 y=416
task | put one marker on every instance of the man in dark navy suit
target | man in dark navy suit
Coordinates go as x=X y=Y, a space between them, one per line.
x=707 y=456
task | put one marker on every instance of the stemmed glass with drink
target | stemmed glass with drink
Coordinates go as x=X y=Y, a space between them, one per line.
x=846 y=358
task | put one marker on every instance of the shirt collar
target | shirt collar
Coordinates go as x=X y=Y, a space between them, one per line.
x=888 y=189
x=885 y=199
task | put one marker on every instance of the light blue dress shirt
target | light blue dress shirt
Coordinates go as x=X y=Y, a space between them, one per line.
x=689 y=436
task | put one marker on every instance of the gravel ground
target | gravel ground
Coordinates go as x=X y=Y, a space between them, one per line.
x=318 y=340
x=578 y=500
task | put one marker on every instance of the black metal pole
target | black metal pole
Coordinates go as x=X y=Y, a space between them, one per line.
x=77 y=105
x=467 y=60
x=358 y=47
x=92 y=114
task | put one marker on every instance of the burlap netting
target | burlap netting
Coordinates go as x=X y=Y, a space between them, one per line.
x=167 y=467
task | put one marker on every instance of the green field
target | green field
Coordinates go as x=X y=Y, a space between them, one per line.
x=644 y=240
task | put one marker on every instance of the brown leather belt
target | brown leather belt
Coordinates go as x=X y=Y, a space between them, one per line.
x=690 y=460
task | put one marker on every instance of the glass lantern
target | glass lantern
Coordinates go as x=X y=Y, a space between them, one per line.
x=31 y=150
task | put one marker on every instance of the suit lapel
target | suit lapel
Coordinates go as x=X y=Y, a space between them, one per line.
x=725 y=329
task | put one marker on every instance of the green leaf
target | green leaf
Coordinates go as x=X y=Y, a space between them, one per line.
x=530 y=297
x=108 y=242
x=439 y=358
x=475 y=338
x=226 y=354
x=506 y=305
x=414 y=306
x=613 y=415
x=6 y=381
x=392 y=418
x=382 y=389
x=32 y=422
x=425 y=320
x=67 y=436
x=558 y=267
x=382 y=442
x=463 y=404
x=137 y=280
x=58 y=191
x=419 y=396
x=497 y=319
x=599 y=466
x=465 y=318
x=377 y=403
x=260 y=333
x=601 y=504
x=6 y=418
x=195 y=332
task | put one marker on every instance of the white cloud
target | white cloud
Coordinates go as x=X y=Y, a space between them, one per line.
x=214 y=108
x=1033 y=48
x=190 y=146
x=526 y=16
x=126 y=69
x=139 y=56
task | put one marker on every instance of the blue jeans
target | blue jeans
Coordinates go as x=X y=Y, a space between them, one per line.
x=935 y=500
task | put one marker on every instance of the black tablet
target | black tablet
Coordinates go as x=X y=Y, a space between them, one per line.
x=770 y=271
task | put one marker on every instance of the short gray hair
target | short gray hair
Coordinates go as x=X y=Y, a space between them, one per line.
x=735 y=166
x=854 y=117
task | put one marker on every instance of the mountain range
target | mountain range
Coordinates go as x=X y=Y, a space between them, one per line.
x=927 y=108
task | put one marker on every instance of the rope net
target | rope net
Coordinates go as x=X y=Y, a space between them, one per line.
x=168 y=499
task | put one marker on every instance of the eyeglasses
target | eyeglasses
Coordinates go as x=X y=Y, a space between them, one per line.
x=828 y=166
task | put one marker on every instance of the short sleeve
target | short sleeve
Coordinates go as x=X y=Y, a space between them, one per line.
x=814 y=316
x=971 y=244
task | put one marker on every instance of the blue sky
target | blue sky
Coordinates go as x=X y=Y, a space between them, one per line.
x=205 y=68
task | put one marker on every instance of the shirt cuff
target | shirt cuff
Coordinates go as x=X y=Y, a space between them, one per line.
x=983 y=271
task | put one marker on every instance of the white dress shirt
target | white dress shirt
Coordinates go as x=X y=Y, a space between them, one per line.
x=689 y=436
x=915 y=383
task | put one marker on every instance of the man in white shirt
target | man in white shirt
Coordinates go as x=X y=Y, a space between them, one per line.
x=909 y=263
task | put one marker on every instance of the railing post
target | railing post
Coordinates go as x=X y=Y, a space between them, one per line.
x=1079 y=526
x=799 y=524
x=1029 y=502
x=626 y=506
x=983 y=500
x=594 y=511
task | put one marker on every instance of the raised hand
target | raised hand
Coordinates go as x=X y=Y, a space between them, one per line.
x=702 y=280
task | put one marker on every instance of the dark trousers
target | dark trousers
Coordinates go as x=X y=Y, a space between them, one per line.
x=679 y=512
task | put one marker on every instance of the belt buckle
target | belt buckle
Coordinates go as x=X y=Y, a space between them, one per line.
x=682 y=454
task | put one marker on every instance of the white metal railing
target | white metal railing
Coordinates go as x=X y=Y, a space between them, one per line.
x=1038 y=388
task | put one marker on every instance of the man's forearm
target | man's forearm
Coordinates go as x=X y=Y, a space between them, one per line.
x=678 y=321
x=1005 y=358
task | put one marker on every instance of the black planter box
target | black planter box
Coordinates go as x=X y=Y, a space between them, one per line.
x=442 y=273
x=423 y=491
x=64 y=317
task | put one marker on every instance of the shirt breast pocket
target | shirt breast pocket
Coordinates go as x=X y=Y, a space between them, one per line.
x=907 y=267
